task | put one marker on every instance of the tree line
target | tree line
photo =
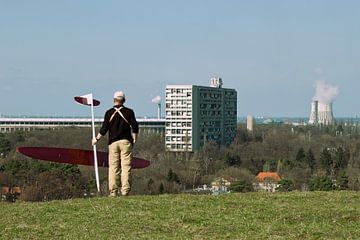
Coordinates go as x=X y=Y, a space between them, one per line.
x=306 y=157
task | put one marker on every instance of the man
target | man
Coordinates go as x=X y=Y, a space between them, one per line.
x=123 y=130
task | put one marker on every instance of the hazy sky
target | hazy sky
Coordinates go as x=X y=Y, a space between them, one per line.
x=271 y=52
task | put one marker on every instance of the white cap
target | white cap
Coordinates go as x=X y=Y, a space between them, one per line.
x=119 y=95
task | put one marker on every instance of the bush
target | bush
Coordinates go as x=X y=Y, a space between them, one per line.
x=321 y=184
x=285 y=186
x=241 y=186
x=31 y=194
x=342 y=183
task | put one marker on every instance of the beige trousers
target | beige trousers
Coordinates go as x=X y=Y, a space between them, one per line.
x=120 y=157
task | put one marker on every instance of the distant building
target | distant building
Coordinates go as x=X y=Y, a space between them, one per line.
x=10 y=194
x=250 y=121
x=196 y=114
x=220 y=184
x=270 y=121
x=11 y=124
x=267 y=181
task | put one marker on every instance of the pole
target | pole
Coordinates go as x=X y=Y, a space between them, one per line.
x=89 y=101
x=94 y=146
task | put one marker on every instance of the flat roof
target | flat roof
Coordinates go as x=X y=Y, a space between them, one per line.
x=67 y=119
x=198 y=86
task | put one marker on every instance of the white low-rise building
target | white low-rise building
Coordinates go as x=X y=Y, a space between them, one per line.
x=11 y=124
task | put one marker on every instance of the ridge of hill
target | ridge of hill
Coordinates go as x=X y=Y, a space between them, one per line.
x=294 y=215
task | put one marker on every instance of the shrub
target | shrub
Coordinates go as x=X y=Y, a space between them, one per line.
x=323 y=183
x=241 y=186
x=285 y=186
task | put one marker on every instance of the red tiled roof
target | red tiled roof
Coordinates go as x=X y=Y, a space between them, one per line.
x=262 y=176
x=16 y=190
x=5 y=190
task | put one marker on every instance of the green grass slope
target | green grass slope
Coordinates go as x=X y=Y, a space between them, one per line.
x=295 y=215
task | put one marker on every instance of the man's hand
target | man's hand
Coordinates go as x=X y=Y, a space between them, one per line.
x=134 y=136
x=96 y=139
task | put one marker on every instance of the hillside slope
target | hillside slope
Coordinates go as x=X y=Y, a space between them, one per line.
x=295 y=215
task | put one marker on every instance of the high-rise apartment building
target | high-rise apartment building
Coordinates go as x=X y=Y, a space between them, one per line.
x=196 y=114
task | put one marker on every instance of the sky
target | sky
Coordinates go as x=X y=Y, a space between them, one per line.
x=272 y=52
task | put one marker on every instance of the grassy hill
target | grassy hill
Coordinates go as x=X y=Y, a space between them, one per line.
x=295 y=215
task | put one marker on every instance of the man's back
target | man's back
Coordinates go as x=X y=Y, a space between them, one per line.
x=119 y=127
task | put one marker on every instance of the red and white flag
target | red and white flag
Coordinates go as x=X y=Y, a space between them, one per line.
x=87 y=99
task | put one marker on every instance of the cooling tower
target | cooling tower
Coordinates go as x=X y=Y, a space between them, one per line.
x=325 y=114
x=314 y=113
x=321 y=113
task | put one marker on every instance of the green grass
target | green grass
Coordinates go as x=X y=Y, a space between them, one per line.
x=295 y=215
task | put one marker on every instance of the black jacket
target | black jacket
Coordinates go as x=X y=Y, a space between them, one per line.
x=118 y=128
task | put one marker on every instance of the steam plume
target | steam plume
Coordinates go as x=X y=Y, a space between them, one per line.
x=325 y=93
x=156 y=100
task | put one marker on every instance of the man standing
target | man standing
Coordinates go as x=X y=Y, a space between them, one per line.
x=123 y=130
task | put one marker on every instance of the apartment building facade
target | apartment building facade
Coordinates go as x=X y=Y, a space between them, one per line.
x=196 y=114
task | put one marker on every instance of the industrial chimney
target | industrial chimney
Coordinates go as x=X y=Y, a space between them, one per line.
x=159 y=111
x=157 y=100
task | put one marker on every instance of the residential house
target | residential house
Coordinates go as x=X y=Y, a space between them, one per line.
x=267 y=181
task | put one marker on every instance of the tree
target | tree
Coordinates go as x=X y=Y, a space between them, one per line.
x=150 y=184
x=232 y=160
x=325 y=160
x=339 y=129
x=51 y=185
x=14 y=166
x=340 y=159
x=207 y=156
x=300 y=156
x=5 y=146
x=310 y=159
x=71 y=171
x=285 y=185
x=257 y=165
x=172 y=177
x=161 y=188
x=342 y=182
x=271 y=165
x=241 y=186
x=7 y=179
x=242 y=136
x=323 y=183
